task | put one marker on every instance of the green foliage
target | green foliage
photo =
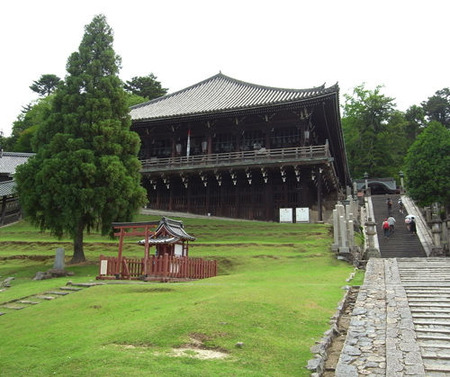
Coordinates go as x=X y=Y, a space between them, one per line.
x=427 y=166
x=415 y=116
x=372 y=129
x=46 y=85
x=134 y=99
x=85 y=173
x=145 y=86
x=278 y=287
x=26 y=125
x=437 y=107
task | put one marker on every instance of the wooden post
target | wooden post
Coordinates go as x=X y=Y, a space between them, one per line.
x=165 y=266
x=146 y=253
x=2 y=219
x=119 y=257
x=319 y=193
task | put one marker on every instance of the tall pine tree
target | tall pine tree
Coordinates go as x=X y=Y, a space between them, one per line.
x=86 y=172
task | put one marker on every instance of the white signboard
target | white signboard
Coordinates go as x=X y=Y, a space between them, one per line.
x=286 y=215
x=178 y=250
x=103 y=267
x=302 y=215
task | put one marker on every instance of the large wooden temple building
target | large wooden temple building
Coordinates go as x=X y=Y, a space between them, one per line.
x=229 y=148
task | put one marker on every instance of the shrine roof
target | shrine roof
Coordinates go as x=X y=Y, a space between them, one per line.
x=221 y=93
x=174 y=228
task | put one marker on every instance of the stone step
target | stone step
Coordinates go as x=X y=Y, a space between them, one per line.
x=434 y=337
x=73 y=289
x=58 y=293
x=433 y=346
x=429 y=304
x=428 y=310
x=86 y=284
x=430 y=330
x=427 y=300
x=28 y=302
x=441 y=354
x=13 y=307
x=441 y=316
x=42 y=297
x=436 y=367
x=431 y=322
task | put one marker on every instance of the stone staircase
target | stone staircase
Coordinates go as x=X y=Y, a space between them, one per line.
x=427 y=285
x=401 y=243
x=24 y=302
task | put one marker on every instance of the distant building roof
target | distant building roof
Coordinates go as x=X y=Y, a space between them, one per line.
x=10 y=160
x=7 y=188
x=221 y=93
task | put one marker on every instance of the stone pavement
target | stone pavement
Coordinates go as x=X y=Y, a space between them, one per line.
x=400 y=324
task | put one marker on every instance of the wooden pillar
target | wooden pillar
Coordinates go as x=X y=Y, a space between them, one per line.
x=208 y=198
x=319 y=193
x=2 y=218
x=267 y=132
x=237 y=201
x=209 y=144
x=174 y=148
x=268 y=200
x=170 y=197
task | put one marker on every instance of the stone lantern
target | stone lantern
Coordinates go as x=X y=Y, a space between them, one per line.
x=366 y=182
x=371 y=231
x=402 y=187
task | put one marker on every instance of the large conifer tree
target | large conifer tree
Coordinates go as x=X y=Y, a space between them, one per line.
x=86 y=172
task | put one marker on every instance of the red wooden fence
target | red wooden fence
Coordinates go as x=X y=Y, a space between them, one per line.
x=163 y=268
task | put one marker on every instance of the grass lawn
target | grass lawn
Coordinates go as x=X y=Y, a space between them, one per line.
x=278 y=286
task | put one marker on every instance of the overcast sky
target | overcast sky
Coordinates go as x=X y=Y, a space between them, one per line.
x=401 y=44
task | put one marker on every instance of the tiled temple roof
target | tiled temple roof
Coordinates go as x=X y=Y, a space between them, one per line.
x=222 y=93
x=10 y=160
x=7 y=188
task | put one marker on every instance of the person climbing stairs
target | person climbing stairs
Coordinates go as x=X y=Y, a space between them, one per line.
x=401 y=242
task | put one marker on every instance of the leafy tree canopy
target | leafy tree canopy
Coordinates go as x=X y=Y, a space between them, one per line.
x=27 y=123
x=85 y=173
x=427 y=166
x=369 y=117
x=46 y=85
x=145 y=86
x=415 y=116
x=437 y=107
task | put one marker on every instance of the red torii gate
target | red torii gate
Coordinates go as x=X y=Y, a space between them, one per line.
x=131 y=229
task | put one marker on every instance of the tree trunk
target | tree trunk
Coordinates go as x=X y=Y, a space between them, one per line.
x=78 y=252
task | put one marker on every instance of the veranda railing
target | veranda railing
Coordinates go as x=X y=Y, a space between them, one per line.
x=313 y=153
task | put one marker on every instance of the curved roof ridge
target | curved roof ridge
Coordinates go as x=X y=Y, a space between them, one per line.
x=321 y=87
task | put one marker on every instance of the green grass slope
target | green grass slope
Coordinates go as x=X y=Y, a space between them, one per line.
x=278 y=286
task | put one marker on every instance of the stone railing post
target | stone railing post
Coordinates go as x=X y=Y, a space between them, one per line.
x=446 y=233
x=335 y=246
x=343 y=249
x=371 y=231
x=436 y=230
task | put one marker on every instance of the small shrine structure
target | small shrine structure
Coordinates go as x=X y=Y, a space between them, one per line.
x=169 y=262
